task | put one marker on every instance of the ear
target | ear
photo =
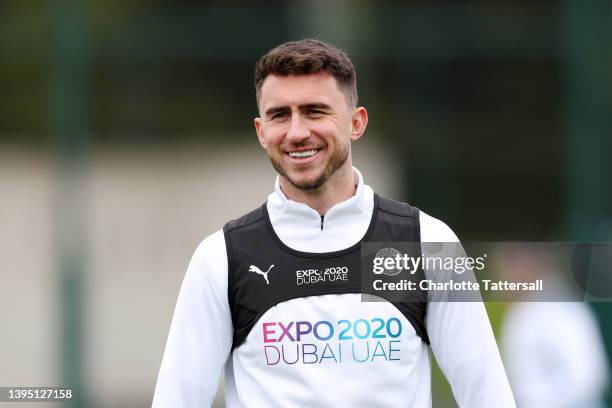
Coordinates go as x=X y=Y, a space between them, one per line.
x=359 y=121
x=259 y=130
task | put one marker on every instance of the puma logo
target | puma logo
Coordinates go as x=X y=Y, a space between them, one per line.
x=255 y=269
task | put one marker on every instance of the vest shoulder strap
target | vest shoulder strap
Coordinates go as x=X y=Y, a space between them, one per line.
x=397 y=208
x=244 y=221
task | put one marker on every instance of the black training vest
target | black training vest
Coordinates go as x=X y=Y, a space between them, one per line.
x=262 y=270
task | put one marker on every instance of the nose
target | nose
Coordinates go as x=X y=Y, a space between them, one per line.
x=298 y=131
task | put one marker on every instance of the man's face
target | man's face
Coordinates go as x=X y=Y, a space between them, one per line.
x=306 y=127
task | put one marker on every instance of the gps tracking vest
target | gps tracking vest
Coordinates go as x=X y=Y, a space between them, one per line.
x=263 y=271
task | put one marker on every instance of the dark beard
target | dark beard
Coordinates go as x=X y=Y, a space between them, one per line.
x=334 y=164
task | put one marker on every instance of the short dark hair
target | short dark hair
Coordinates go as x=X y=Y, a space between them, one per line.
x=308 y=56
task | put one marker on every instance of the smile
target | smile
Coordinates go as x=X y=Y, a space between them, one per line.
x=305 y=153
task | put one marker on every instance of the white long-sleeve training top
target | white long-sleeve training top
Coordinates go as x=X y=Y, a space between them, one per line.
x=391 y=374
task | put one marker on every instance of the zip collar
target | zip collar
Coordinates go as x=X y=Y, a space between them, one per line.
x=299 y=225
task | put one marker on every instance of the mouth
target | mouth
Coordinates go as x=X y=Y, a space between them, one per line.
x=303 y=155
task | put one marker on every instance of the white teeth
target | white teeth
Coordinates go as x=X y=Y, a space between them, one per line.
x=307 y=153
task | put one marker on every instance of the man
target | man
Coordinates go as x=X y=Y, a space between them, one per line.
x=274 y=297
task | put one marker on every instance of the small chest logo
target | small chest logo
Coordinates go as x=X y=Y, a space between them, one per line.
x=258 y=271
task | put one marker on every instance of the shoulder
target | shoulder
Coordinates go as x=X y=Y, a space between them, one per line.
x=434 y=230
x=397 y=208
x=246 y=220
x=213 y=246
x=208 y=266
x=210 y=257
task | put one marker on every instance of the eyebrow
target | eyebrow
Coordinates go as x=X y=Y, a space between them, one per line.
x=303 y=107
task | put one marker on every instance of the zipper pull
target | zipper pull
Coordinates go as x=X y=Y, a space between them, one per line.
x=322 y=217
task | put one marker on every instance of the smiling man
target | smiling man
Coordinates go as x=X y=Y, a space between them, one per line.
x=308 y=122
x=275 y=296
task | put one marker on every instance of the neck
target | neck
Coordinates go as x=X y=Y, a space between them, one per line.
x=339 y=187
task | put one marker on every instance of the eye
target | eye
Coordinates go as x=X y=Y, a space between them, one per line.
x=279 y=116
x=314 y=113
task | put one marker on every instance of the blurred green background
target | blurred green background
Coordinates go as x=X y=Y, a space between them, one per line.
x=126 y=127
